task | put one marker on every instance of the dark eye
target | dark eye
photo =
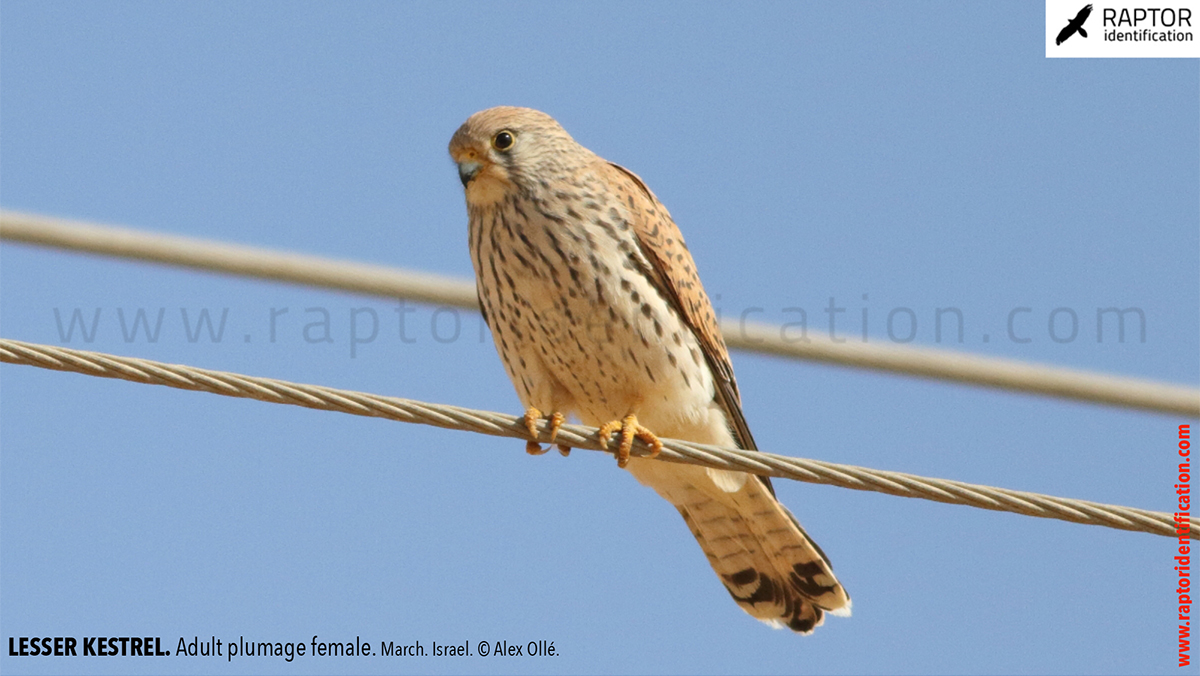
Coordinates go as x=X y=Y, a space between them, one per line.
x=503 y=140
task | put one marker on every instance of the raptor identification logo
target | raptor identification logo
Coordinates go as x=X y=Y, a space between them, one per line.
x=1138 y=29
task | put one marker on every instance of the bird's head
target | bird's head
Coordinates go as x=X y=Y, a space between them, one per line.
x=505 y=149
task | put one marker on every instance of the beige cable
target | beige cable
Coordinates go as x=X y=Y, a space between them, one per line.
x=994 y=372
x=578 y=436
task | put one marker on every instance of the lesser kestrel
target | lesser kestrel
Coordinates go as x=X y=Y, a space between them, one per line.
x=597 y=310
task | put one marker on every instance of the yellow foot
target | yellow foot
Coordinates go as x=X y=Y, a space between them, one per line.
x=555 y=421
x=630 y=430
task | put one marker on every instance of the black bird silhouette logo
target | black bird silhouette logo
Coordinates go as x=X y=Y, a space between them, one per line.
x=1075 y=25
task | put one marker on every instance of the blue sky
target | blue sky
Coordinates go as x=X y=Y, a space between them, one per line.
x=888 y=156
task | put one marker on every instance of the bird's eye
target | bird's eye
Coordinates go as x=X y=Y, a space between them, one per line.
x=504 y=140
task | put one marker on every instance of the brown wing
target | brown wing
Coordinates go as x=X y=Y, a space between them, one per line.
x=679 y=281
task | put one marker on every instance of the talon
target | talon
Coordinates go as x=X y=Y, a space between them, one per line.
x=531 y=418
x=532 y=447
x=564 y=450
x=606 y=431
x=652 y=439
x=630 y=430
x=554 y=422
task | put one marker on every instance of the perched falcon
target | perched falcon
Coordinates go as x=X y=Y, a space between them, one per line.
x=597 y=310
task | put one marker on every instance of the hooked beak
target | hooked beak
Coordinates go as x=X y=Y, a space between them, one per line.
x=467 y=170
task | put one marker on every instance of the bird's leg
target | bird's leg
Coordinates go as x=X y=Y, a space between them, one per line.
x=630 y=430
x=556 y=420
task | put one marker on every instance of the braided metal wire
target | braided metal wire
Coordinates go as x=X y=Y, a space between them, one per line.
x=969 y=369
x=579 y=436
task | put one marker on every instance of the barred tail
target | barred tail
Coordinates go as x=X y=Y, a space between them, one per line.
x=770 y=566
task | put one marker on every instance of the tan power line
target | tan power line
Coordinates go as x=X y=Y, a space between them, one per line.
x=1006 y=374
x=579 y=436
